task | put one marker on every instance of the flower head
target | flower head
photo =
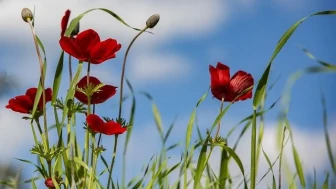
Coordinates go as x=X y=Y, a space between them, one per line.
x=101 y=95
x=224 y=87
x=24 y=103
x=87 y=47
x=97 y=125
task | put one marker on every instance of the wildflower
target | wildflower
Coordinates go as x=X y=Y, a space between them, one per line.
x=96 y=96
x=25 y=103
x=87 y=47
x=97 y=125
x=224 y=87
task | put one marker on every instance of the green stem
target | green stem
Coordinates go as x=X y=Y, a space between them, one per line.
x=219 y=123
x=253 y=151
x=87 y=140
x=70 y=69
x=42 y=84
x=39 y=126
x=113 y=160
x=123 y=70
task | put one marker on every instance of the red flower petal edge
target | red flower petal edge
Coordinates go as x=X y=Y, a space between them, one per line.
x=97 y=125
x=25 y=103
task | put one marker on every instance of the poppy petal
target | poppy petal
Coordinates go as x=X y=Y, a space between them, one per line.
x=22 y=104
x=81 y=97
x=112 y=128
x=104 y=50
x=69 y=46
x=220 y=76
x=95 y=123
x=31 y=93
x=86 y=41
x=64 y=22
x=82 y=83
x=241 y=81
x=48 y=97
x=104 y=93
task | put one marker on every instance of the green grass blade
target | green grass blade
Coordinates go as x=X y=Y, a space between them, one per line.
x=270 y=167
x=261 y=87
x=326 y=133
x=201 y=162
x=57 y=78
x=326 y=182
x=39 y=89
x=323 y=63
x=129 y=132
x=224 y=169
x=253 y=170
x=75 y=21
x=71 y=92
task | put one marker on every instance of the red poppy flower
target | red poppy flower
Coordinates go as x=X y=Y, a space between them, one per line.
x=65 y=21
x=108 y=128
x=87 y=47
x=25 y=103
x=100 y=96
x=224 y=87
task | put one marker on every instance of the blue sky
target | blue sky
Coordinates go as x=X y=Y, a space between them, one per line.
x=172 y=65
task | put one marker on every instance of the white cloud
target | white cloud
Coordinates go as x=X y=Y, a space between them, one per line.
x=158 y=67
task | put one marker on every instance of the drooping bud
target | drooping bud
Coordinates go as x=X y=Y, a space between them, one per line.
x=75 y=31
x=27 y=15
x=153 y=20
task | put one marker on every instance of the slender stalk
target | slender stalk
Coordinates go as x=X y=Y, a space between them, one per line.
x=70 y=69
x=42 y=83
x=87 y=138
x=253 y=169
x=123 y=70
x=219 y=123
x=280 y=161
x=113 y=160
x=39 y=126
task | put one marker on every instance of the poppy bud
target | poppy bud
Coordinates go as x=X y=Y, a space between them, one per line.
x=153 y=20
x=49 y=183
x=75 y=31
x=26 y=15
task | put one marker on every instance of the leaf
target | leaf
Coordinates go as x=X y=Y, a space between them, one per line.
x=75 y=21
x=261 y=87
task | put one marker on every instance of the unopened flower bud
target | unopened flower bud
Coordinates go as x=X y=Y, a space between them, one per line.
x=26 y=15
x=153 y=20
x=49 y=183
x=75 y=31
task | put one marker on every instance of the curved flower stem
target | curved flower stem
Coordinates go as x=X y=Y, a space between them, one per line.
x=113 y=160
x=123 y=70
x=219 y=123
x=42 y=83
